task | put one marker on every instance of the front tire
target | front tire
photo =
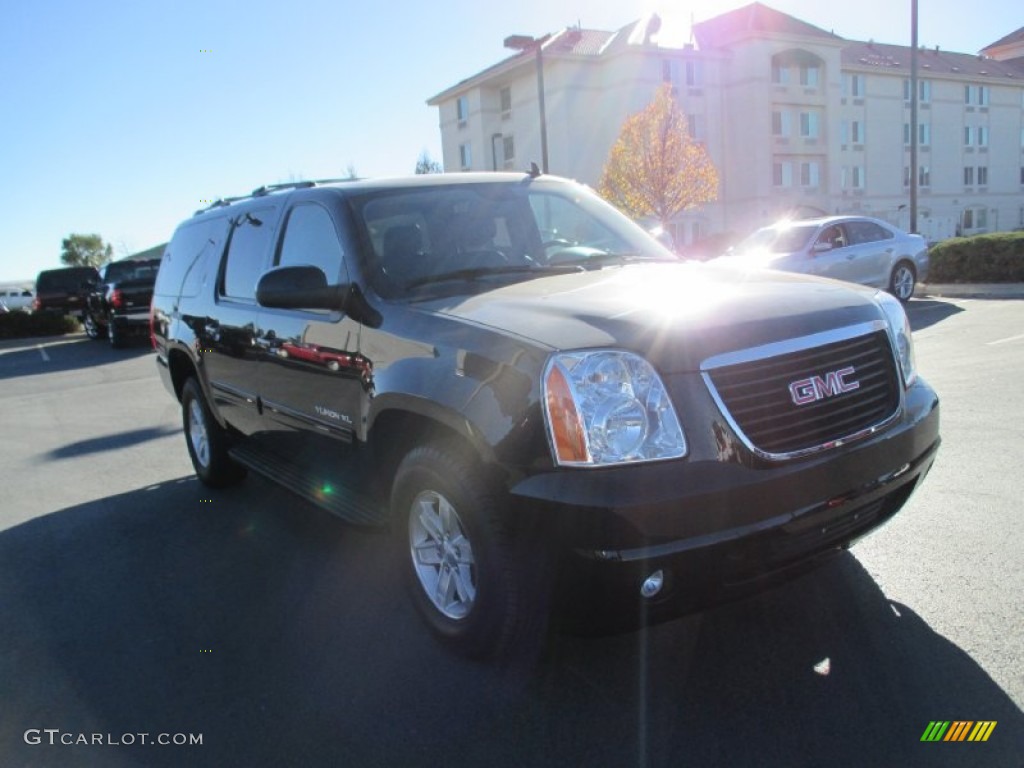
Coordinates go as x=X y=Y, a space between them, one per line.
x=92 y=329
x=207 y=441
x=902 y=281
x=478 y=575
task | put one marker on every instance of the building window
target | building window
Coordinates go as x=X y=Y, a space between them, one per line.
x=465 y=156
x=857 y=132
x=809 y=125
x=968 y=135
x=782 y=174
x=924 y=134
x=505 y=95
x=695 y=127
x=508 y=147
x=809 y=75
x=780 y=123
x=906 y=175
x=462 y=109
x=982 y=175
x=924 y=176
x=780 y=74
x=668 y=71
x=924 y=91
x=975 y=218
x=853 y=85
x=982 y=135
x=968 y=176
x=1022 y=182
x=858 y=177
x=694 y=74
x=809 y=175
x=976 y=94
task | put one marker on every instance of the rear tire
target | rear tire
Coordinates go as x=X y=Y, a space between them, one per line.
x=93 y=330
x=115 y=335
x=902 y=281
x=478 y=575
x=207 y=441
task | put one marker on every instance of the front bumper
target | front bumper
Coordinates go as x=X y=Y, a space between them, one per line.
x=723 y=529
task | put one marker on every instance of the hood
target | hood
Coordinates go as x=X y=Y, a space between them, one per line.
x=675 y=315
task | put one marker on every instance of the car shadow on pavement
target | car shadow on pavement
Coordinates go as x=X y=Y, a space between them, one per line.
x=927 y=312
x=22 y=357
x=284 y=638
x=111 y=442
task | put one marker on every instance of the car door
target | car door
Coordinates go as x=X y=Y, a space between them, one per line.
x=227 y=337
x=832 y=254
x=872 y=253
x=311 y=378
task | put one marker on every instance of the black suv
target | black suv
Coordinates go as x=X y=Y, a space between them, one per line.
x=553 y=414
x=117 y=306
x=63 y=291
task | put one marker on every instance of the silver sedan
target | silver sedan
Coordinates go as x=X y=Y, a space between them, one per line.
x=857 y=249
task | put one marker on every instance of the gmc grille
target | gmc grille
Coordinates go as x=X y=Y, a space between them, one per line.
x=758 y=395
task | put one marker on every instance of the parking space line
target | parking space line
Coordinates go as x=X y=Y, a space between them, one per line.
x=1004 y=341
x=46 y=357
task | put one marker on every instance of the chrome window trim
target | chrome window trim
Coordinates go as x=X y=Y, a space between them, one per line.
x=789 y=346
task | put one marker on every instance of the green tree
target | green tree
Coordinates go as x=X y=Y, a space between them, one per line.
x=427 y=164
x=655 y=168
x=85 y=251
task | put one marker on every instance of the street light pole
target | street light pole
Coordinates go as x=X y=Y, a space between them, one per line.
x=535 y=44
x=913 y=116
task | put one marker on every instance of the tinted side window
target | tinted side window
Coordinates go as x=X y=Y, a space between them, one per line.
x=247 y=252
x=180 y=268
x=310 y=238
x=867 y=232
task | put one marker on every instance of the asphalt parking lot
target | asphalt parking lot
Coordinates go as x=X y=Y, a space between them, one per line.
x=135 y=601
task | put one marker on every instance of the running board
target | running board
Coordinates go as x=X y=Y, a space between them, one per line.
x=353 y=507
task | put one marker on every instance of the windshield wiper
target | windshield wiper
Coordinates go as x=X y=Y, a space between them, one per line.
x=475 y=273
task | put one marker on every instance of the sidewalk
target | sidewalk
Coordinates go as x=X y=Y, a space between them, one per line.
x=971 y=290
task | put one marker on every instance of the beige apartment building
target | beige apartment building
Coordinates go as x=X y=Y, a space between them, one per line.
x=797 y=119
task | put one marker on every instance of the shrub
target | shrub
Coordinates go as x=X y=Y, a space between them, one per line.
x=995 y=258
x=16 y=325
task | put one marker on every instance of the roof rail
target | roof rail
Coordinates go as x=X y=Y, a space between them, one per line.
x=267 y=189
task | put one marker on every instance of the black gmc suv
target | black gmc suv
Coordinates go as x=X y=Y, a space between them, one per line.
x=117 y=304
x=552 y=414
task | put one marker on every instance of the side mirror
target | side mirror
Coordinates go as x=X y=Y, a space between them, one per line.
x=301 y=287
x=305 y=287
x=821 y=247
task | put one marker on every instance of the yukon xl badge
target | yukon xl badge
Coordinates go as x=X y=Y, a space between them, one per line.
x=815 y=388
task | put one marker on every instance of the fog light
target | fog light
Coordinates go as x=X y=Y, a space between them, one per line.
x=652 y=584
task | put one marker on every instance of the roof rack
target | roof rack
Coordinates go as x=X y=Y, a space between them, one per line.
x=267 y=189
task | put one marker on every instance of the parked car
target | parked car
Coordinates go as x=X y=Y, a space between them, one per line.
x=552 y=413
x=117 y=305
x=16 y=299
x=858 y=249
x=63 y=290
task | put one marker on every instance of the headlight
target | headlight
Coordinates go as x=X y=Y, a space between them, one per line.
x=899 y=331
x=608 y=407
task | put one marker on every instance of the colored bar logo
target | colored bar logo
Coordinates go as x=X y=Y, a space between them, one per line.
x=958 y=730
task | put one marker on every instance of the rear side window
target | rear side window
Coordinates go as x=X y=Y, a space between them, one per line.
x=185 y=262
x=310 y=238
x=70 y=279
x=867 y=232
x=247 y=251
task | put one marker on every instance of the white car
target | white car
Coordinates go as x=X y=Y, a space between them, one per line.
x=857 y=249
x=13 y=299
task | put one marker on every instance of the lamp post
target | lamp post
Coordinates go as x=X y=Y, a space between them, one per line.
x=535 y=44
x=913 y=116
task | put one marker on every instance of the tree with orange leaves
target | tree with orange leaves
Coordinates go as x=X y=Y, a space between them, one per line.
x=655 y=168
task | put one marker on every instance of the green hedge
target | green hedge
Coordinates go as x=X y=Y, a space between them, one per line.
x=995 y=258
x=17 y=325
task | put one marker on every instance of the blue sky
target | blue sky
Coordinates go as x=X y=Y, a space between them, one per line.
x=120 y=118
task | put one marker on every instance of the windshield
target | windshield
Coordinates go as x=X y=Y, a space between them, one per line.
x=445 y=237
x=780 y=238
x=123 y=271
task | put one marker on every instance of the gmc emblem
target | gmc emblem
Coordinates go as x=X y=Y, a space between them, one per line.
x=816 y=388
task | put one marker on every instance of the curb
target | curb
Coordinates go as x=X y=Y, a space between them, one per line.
x=972 y=290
